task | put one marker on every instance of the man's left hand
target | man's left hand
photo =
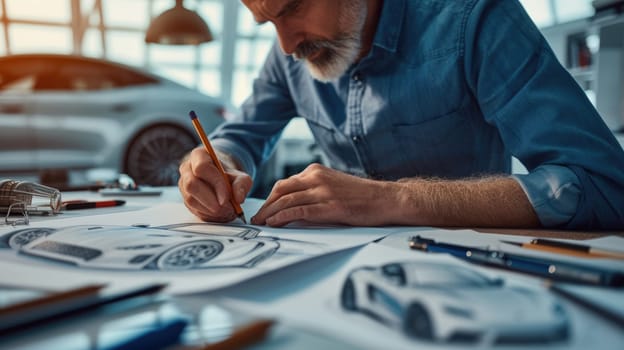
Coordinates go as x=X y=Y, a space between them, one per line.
x=325 y=196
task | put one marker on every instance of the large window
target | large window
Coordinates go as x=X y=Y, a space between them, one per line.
x=550 y=12
x=2 y=32
x=38 y=26
x=253 y=43
x=225 y=68
x=53 y=11
x=115 y=30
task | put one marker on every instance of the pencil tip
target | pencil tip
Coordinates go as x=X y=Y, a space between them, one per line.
x=193 y=115
x=513 y=243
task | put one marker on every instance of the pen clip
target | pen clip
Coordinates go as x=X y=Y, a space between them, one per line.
x=420 y=243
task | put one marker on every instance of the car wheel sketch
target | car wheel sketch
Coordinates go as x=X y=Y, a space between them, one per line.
x=172 y=247
x=450 y=303
x=19 y=238
x=189 y=255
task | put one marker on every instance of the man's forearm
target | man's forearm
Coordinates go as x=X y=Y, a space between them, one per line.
x=486 y=202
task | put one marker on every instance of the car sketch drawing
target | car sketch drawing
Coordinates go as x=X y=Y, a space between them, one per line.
x=172 y=247
x=439 y=302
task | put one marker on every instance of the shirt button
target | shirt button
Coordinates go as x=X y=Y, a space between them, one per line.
x=357 y=77
x=355 y=139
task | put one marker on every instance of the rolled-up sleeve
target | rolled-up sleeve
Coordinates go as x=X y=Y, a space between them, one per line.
x=252 y=135
x=235 y=150
x=576 y=166
x=554 y=191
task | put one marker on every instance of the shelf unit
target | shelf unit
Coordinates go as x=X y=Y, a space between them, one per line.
x=592 y=50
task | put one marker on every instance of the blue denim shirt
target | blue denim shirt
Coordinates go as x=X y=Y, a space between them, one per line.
x=451 y=89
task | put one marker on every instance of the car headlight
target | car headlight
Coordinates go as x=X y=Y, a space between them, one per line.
x=459 y=312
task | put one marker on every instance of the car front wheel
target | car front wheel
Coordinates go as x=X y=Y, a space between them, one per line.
x=153 y=157
x=417 y=322
x=22 y=237
x=189 y=255
x=347 y=295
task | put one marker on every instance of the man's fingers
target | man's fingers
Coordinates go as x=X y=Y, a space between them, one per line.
x=241 y=185
x=284 y=187
x=203 y=168
x=198 y=194
x=290 y=200
x=201 y=198
x=313 y=213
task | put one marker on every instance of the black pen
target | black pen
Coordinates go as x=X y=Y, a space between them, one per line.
x=71 y=303
x=589 y=304
x=74 y=205
x=22 y=313
x=159 y=337
x=538 y=266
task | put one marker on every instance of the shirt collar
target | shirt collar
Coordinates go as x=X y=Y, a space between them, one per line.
x=390 y=24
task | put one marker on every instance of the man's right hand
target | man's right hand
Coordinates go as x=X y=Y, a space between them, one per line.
x=204 y=189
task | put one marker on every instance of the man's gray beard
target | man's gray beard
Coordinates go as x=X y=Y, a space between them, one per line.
x=337 y=57
x=339 y=54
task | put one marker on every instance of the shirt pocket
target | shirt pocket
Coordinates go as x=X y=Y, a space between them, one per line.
x=438 y=147
x=328 y=141
x=426 y=91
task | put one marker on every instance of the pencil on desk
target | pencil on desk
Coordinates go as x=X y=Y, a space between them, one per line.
x=65 y=304
x=17 y=316
x=215 y=160
x=567 y=249
x=243 y=337
x=597 y=252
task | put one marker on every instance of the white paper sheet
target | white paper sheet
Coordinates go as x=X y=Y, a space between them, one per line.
x=110 y=258
x=318 y=307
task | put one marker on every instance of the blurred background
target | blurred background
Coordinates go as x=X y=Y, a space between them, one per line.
x=93 y=88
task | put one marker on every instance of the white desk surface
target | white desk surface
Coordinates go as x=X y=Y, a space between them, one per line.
x=286 y=292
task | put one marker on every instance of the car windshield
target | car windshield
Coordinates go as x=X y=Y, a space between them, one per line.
x=221 y=230
x=430 y=275
x=65 y=73
x=20 y=85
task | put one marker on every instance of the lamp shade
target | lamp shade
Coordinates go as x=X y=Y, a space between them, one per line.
x=178 y=26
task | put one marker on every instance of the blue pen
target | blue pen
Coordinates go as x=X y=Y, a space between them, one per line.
x=164 y=335
x=539 y=266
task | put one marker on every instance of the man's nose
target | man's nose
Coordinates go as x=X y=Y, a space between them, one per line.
x=289 y=40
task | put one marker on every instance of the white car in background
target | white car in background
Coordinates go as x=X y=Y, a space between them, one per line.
x=71 y=112
x=448 y=303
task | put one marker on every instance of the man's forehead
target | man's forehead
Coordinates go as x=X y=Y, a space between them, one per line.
x=270 y=7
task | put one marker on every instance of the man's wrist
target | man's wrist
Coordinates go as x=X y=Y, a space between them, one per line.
x=229 y=161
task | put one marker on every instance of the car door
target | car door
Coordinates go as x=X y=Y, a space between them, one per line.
x=17 y=140
x=80 y=117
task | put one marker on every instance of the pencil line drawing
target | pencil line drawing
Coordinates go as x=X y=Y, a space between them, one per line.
x=171 y=247
x=437 y=302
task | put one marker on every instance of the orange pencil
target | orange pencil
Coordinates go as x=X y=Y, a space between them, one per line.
x=567 y=249
x=243 y=337
x=581 y=248
x=215 y=159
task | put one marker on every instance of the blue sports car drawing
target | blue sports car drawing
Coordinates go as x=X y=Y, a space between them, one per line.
x=450 y=303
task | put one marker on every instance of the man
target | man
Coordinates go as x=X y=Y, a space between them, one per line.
x=419 y=106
